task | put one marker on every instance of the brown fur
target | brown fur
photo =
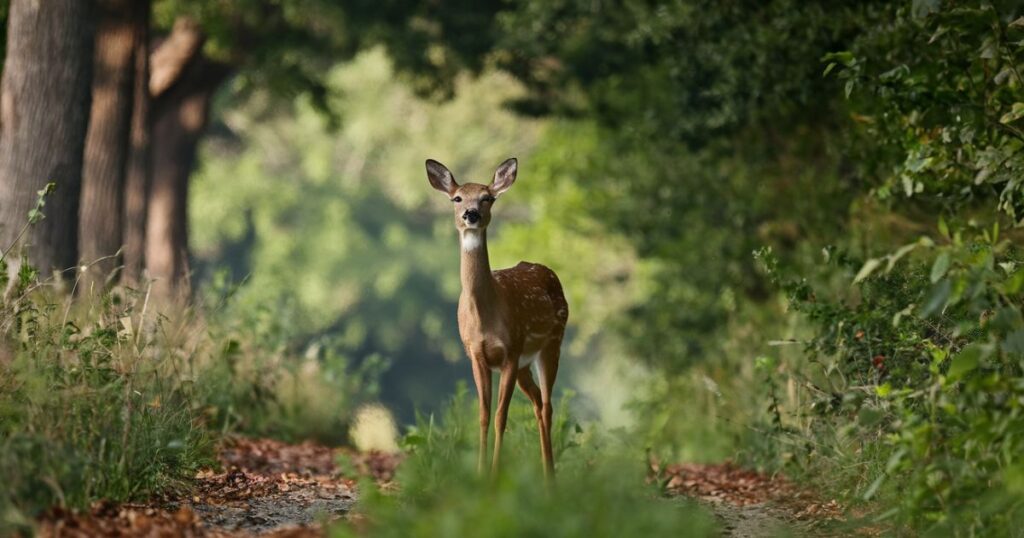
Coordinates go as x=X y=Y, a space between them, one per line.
x=504 y=315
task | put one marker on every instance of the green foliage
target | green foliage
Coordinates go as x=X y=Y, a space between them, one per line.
x=101 y=398
x=598 y=491
x=107 y=397
x=89 y=407
x=256 y=383
x=285 y=48
x=915 y=376
x=716 y=134
x=936 y=96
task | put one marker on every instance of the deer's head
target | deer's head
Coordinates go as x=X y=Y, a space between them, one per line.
x=472 y=201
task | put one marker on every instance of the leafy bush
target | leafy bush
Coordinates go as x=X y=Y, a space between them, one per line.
x=256 y=382
x=915 y=373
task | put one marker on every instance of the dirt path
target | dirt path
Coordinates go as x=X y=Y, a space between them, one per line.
x=270 y=488
x=265 y=487
x=750 y=504
x=751 y=521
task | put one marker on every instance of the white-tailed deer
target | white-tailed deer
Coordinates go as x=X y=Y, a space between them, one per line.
x=508 y=319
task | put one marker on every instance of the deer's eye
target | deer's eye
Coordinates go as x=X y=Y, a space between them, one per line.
x=487 y=199
x=457 y=199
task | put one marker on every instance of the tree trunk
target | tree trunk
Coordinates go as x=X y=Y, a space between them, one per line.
x=106 y=142
x=44 y=111
x=180 y=116
x=137 y=167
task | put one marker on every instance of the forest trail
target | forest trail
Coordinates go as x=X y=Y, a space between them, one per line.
x=264 y=488
x=270 y=488
x=751 y=504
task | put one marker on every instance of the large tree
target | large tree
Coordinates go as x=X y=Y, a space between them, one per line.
x=182 y=85
x=44 y=110
x=137 y=165
x=120 y=25
x=269 y=45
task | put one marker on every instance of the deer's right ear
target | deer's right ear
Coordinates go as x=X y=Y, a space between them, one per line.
x=440 y=177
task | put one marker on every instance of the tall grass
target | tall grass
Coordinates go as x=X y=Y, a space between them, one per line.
x=599 y=489
x=95 y=402
x=109 y=397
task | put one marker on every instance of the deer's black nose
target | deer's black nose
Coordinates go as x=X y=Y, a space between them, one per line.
x=471 y=216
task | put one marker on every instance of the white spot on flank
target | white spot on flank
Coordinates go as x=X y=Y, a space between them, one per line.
x=526 y=360
x=470 y=240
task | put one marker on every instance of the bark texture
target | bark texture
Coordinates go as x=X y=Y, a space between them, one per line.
x=181 y=109
x=44 y=111
x=106 y=143
x=137 y=167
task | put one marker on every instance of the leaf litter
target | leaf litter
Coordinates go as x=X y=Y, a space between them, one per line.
x=755 y=504
x=263 y=487
x=270 y=488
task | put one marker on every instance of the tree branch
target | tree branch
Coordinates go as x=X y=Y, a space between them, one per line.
x=169 y=58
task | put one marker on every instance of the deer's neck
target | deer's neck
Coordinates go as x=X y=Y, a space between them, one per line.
x=475 y=269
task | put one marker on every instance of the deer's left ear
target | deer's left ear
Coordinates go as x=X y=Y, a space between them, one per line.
x=504 y=176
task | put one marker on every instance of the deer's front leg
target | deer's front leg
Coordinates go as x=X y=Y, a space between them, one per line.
x=506 y=388
x=482 y=378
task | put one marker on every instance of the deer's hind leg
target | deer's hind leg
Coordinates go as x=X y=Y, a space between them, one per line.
x=533 y=392
x=547 y=370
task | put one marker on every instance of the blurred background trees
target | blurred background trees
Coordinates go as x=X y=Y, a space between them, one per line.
x=788 y=230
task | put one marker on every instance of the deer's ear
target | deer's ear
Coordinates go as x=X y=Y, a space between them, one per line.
x=504 y=176
x=440 y=177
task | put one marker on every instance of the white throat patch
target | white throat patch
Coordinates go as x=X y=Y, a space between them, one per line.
x=470 y=240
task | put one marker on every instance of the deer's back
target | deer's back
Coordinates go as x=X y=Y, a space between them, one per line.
x=536 y=301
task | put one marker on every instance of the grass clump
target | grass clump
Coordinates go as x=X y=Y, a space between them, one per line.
x=90 y=407
x=110 y=397
x=599 y=490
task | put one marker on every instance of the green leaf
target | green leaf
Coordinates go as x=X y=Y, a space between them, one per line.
x=844 y=57
x=1014 y=283
x=869 y=267
x=1013 y=344
x=27 y=274
x=895 y=460
x=938 y=33
x=895 y=257
x=848 y=88
x=873 y=488
x=965 y=361
x=937 y=299
x=940 y=267
x=1016 y=112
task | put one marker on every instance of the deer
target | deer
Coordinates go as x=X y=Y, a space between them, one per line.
x=509 y=319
